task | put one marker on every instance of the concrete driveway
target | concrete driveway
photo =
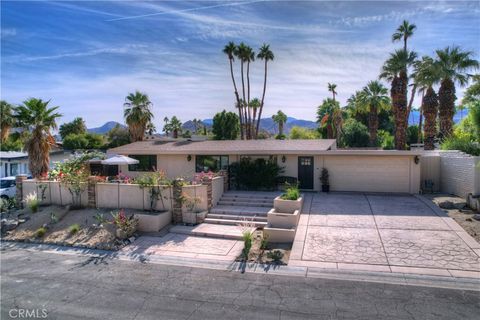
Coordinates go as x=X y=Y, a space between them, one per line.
x=388 y=233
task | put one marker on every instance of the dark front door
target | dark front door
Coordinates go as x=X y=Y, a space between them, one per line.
x=305 y=172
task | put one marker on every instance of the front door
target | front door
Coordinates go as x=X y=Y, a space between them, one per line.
x=305 y=172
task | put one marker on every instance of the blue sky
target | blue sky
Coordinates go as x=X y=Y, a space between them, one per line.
x=86 y=56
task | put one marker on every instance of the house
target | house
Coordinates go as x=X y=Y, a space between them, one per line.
x=13 y=163
x=350 y=170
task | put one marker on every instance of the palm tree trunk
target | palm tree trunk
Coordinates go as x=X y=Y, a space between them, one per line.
x=263 y=99
x=249 y=121
x=410 y=103
x=242 y=105
x=446 y=97
x=373 y=125
x=430 y=108
x=280 y=128
x=399 y=103
x=5 y=133
x=236 y=96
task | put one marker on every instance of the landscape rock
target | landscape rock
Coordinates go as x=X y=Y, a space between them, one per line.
x=449 y=205
x=476 y=217
x=9 y=224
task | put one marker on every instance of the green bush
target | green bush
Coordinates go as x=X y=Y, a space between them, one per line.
x=291 y=193
x=40 y=232
x=386 y=140
x=258 y=174
x=275 y=255
x=74 y=228
x=462 y=143
x=412 y=134
x=247 y=236
x=303 y=133
x=355 y=134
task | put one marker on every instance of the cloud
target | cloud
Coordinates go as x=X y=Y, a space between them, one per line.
x=8 y=32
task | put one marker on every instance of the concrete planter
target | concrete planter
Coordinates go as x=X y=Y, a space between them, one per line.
x=279 y=235
x=283 y=220
x=153 y=222
x=287 y=206
x=193 y=217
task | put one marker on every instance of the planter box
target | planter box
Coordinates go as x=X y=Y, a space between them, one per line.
x=193 y=217
x=153 y=222
x=279 y=235
x=283 y=220
x=287 y=206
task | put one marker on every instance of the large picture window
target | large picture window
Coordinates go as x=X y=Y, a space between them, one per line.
x=211 y=163
x=147 y=163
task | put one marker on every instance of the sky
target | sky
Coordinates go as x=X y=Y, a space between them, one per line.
x=87 y=56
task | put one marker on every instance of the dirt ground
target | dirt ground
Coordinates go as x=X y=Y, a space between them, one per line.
x=257 y=254
x=90 y=234
x=461 y=213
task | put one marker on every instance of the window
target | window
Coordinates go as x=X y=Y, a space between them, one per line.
x=7 y=183
x=147 y=163
x=211 y=163
x=13 y=169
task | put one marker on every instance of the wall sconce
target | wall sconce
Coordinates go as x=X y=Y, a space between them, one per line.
x=416 y=159
x=189 y=158
x=284 y=159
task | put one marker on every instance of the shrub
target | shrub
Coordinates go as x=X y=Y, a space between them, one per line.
x=291 y=193
x=386 y=140
x=40 y=232
x=247 y=237
x=154 y=182
x=275 y=255
x=324 y=177
x=303 y=133
x=259 y=174
x=32 y=202
x=461 y=143
x=412 y=134
x=127 y=224
x=74 y=228
x=355 y=134
x=264 y=242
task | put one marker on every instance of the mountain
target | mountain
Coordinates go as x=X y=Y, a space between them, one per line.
x=415 y=116
x=268 y=125
x=105 y=128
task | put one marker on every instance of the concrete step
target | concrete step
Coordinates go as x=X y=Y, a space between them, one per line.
x=236 y=217
x=210 y=231
x=237 y=210
x=243 y=203
x=252 y=195
x=257 y=224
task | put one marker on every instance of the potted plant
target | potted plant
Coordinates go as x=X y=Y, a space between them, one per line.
x=126 y=226
x=324 y=180
x=192 y=214
x=289 y=201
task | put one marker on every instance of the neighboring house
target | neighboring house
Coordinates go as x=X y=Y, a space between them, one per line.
x=13 y=163
x=350 y=170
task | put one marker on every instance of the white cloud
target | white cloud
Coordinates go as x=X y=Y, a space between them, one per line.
x=8 y=32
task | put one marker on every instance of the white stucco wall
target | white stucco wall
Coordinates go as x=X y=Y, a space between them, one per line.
x=460 y=173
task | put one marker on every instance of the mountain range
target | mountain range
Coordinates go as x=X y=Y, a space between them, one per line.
x=266 y=124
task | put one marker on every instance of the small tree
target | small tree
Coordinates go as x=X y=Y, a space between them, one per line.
x=77 y=126
x=355 y=134
x=226 y=126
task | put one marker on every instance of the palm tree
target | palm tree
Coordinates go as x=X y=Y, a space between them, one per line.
x=453 y=64
x=395 y=71
x=138 y=115
x=35 y=116
x=230 y=50
x=254 y=105
x=280 y=118
x=266 y=55
x=7 y=119
x=374 y=97
x=174 y=126
x=249 y=57
x=403 y=32
x=331 y=88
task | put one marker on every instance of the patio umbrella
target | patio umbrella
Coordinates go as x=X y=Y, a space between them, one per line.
x=119 y=160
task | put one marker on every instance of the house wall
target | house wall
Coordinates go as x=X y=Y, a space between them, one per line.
x=6 y=167
x=460 y=174
x=174 y=165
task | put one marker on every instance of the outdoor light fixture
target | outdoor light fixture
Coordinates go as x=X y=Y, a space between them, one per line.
x=284 y=159
x=416 y=159
x=189 y=158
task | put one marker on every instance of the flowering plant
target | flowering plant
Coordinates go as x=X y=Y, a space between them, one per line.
x=123 y=178
x=198 y=177
x=126 y=224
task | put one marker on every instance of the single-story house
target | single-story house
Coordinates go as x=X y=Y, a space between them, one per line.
x=13 y=163
x=349 y=170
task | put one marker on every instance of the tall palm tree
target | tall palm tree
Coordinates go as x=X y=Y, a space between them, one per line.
x=254 y=105
x=174 y=126
x=280 y=118
x=374 y=98
x=35 y=115
x=395 y=71
x=249 y=57
x=453 y=64
x=7 y=119
x=266 y=55
x=403 y=32
x=138 y=115
x=332 y=88
x=230 y=50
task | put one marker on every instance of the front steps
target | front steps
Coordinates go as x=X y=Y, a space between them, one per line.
x=211 y=231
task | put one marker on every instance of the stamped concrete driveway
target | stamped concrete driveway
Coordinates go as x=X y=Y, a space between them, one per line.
x=387 y=233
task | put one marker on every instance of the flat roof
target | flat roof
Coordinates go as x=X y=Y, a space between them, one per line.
x=12 y=155
x=245 y=147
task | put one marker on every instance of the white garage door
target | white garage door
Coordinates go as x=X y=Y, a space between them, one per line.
x=371 y=174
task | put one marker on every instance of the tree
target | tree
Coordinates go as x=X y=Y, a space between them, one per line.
x=374 y=98
x=395 y=71
x=35 y=115
x=327 y=112
x=266 y=55
x=229 y=50
x=280 y=119
x=173 y=126
x=77 y=126
x=453 y=65
x=403 y=32
x=226 y=126
x=472 y=93
x=75 y=141
x=332 y=88
x=355 y=134
x=118 y=136
x=138 y=114
x=7 y=119
x=303 y=133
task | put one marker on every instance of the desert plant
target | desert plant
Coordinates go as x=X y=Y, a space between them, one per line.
x=53 y=218
x=124 y=223
x=100 y=218
x=32 y=202
x=7 y=204
x=40 y=232
x=247 y=227
x=275 y=255
x=264 y=242
x=291 y=192
x=74 y=228
x=154 y=182
x=190 y=202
